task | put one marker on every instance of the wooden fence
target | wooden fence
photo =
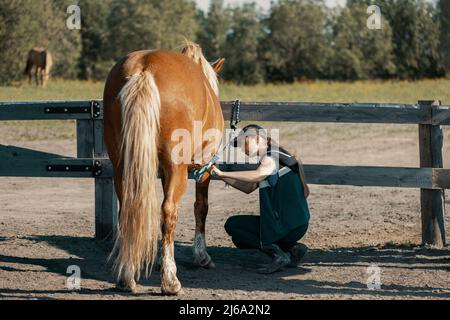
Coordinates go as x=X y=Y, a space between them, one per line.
x=92 y=160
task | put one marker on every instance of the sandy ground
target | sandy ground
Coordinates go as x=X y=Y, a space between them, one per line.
x=47 y=225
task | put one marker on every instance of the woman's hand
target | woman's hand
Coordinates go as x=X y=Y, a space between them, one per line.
x=216 y=172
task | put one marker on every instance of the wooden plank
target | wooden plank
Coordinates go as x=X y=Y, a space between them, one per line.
x=106 y=207
x=359 y=175
x=441 y=178
x=85 y=138
x=432 y=201
x=260 y=111
x=21 y=162
x=14 y=152
x=441 y=115
x=19 y=166
x=427 y=178
x=254 y=111
x=106 y=202
x=369 y=176
x=99 y=142
x=36 y=110
x=331 y=112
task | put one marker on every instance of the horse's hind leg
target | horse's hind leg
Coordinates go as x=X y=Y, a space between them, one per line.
x=174 y=186
x=201 y=256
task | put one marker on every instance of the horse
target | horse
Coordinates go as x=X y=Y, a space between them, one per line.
x=42 y=60
x=148 y=96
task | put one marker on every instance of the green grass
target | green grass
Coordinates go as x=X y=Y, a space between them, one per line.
x=360 y=91
x=56 y=90
x=317 y=91
x=309 y=91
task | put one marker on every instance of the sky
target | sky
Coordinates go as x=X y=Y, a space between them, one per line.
x=265 y=4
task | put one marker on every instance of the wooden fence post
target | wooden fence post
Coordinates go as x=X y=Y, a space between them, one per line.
x=85 y=139
x=106 y=204
x=432 y=201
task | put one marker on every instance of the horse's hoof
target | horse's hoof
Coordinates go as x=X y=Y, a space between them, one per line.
x=123 y=287
x=172 y=289
x=204 y=261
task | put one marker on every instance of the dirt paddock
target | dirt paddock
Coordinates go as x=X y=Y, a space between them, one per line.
x=47 y=225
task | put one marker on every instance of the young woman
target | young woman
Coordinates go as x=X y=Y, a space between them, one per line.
x=284 y=213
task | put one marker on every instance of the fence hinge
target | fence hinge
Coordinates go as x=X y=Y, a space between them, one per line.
x=96 y=109
x=95 y=168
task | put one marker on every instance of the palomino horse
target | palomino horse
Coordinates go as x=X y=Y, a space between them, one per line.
x=42 y=60
x=148 y=96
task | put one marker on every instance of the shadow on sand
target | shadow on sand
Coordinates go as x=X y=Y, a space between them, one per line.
x=236 y=269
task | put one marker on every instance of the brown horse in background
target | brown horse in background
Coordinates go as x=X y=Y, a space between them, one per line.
x=42 y=60
x=148 y=96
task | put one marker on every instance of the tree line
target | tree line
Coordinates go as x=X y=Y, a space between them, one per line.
x=296 y=39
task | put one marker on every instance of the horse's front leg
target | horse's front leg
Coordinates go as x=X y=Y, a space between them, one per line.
x=174 y=185
x=201 y=256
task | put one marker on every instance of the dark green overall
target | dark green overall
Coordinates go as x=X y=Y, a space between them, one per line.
x=284 y=213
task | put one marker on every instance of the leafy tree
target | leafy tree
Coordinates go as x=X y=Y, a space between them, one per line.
x=16 y=34
x=25 y=24
x=215 y=27
x=360 y=52
x=150 y=24
x=53 y=33
x=296 y=43
x=242 y=43
x=297 y=39
x=444 y=14
x=94 y=61
x=415 y=37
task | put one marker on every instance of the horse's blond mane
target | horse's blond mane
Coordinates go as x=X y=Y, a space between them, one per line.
x=193 y=51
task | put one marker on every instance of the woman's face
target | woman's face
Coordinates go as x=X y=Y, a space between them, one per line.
x=252 y=145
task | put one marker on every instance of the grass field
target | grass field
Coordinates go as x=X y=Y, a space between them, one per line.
x=317 y=91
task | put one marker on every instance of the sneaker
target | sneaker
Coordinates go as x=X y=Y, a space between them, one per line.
x=280 y=259
x=296 y=255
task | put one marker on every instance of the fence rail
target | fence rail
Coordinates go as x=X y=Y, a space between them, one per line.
x=253 y=111
x=342 y=112
x=92 y=160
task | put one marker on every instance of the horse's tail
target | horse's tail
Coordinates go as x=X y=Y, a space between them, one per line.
x=137 y=236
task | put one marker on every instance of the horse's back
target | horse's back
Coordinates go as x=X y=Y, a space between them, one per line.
x=36 y=52
x=173 y=71
x=180 y=81
x=184 y=91
x=40 y=57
